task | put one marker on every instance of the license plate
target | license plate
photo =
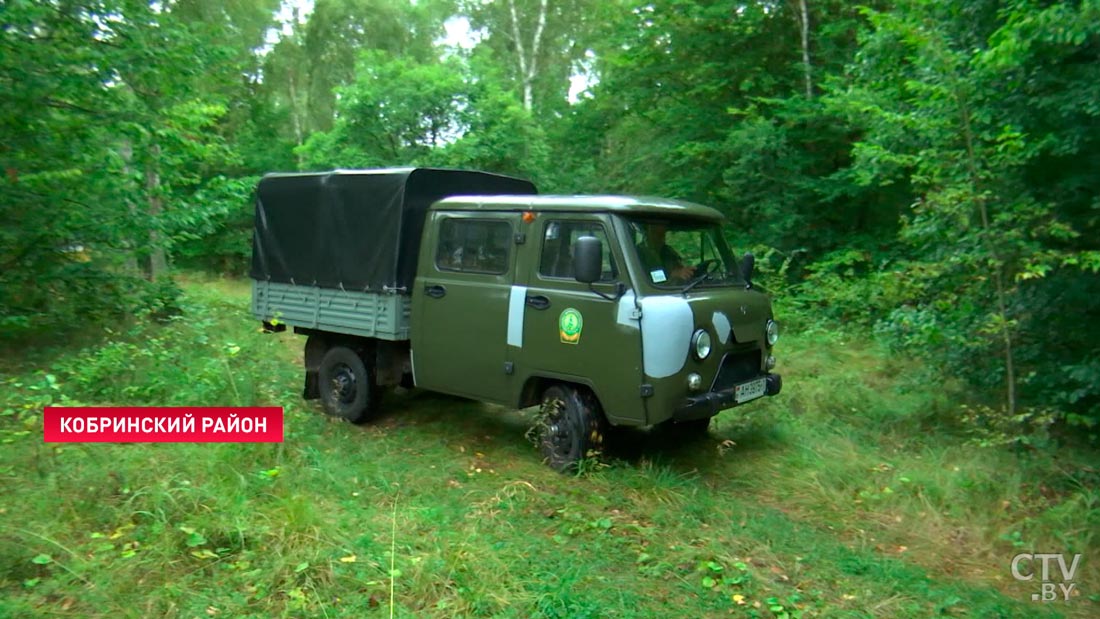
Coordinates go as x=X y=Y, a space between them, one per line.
x=749 y=391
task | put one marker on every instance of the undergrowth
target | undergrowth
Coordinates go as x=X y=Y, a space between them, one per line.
x=851 y=494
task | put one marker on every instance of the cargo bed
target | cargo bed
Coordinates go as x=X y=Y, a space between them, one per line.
x=369 y=314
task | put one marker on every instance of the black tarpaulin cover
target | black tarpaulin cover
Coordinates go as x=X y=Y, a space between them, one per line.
x=356 y=229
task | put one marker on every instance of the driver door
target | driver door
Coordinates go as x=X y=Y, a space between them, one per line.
x=569 y=331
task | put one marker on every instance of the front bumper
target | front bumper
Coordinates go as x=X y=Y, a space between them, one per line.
x=709 y=404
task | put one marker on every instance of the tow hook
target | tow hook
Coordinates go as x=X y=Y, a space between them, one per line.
x=773 y=384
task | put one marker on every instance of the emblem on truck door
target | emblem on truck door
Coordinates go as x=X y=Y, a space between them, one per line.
x=570 y=325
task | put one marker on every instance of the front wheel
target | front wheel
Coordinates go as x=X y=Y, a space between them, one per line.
x=571 y=426
x=347 y=385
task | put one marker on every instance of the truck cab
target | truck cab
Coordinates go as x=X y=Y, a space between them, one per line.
x=601 y=310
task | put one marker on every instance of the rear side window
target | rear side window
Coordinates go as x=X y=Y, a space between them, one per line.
x=474 y=246
x=557 y=249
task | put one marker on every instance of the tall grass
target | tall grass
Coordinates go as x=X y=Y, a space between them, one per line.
x=849 y=495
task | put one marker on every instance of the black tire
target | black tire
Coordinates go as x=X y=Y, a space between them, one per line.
x=571 y=426
x=347 y=385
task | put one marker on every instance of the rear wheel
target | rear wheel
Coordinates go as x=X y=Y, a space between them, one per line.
x=571 y=426
x=347 y=385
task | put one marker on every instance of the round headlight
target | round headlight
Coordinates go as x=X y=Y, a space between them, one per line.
x=772 y=330
x=700 y=344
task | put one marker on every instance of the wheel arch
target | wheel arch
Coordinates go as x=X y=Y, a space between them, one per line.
x=537 y=384
x=374 y=352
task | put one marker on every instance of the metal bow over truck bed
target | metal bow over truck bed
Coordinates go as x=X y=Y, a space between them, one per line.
x=336 y=251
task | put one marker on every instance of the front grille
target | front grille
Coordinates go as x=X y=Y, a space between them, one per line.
x=737 y=367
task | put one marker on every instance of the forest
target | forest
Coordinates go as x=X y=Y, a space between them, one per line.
x=918 y=180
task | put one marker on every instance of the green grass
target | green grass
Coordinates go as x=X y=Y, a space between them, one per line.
x=842 y=497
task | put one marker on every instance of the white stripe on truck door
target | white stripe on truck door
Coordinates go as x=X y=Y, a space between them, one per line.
x=517 y=302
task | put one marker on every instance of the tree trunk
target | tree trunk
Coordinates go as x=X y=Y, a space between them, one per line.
x=126 y=152
x=296 y=119
x=157 y=262
x=528 y=62
x=806 y=66
x=998 y=268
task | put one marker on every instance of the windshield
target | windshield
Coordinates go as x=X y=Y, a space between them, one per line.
x=676 y=254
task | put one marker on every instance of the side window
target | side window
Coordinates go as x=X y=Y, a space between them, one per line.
x=475 y=246
x=557 y=249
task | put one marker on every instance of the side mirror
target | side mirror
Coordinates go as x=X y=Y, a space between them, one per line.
x=748 y=261
x=587 y=259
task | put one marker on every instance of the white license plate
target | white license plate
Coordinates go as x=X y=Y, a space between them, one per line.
x=749 y=391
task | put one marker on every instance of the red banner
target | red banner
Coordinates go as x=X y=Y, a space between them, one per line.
x=173 y=424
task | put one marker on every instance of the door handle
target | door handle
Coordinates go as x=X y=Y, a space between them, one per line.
x=435 y=291
x=538 y=302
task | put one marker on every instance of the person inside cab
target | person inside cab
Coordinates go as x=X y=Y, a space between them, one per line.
x=661 y=261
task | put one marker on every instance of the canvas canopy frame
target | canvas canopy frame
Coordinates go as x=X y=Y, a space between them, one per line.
x=356 y=230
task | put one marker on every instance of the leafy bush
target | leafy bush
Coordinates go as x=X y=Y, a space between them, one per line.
x=144 y=364
x=214 y=231
x=77 y=296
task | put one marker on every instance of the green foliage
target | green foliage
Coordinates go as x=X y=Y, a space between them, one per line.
x=927 y=89
x=74 y=295
x=143 y=364
x=873 y=506
x=786 y=185
x=116 y=123
x=499 y=134
x=537 y=46
x=214 y=230
x=926 y=180
x=393 y=114
x=338 y=32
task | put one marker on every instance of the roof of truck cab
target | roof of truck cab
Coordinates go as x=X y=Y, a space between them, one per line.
x=633 y=205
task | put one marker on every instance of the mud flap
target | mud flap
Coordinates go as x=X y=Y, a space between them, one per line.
x=311 y=391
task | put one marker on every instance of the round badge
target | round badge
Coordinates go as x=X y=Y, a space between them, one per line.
x=570 y=324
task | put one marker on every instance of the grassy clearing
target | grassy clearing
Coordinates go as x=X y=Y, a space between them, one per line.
x=839 y=498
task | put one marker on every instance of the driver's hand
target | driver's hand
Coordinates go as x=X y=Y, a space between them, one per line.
x=685 y=272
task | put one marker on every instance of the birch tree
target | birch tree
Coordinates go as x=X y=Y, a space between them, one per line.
x=527 y=51
x=804 y=27
x=540 y=43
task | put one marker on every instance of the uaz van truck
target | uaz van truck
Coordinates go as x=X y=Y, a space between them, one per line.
x=604 y=310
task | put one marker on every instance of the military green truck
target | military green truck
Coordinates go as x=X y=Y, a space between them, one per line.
x=604 y=310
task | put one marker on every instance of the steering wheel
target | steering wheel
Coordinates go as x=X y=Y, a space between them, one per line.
x=705 y=266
